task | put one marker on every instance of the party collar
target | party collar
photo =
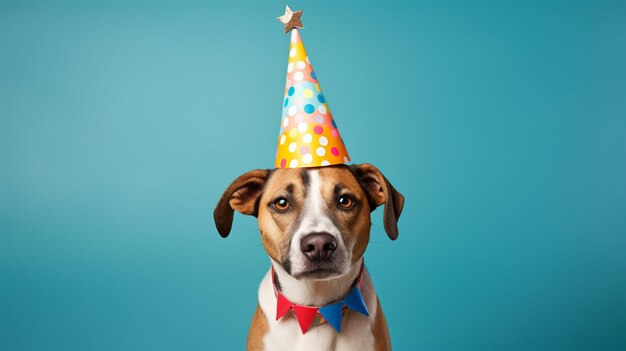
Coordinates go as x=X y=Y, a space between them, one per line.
x=308 y=316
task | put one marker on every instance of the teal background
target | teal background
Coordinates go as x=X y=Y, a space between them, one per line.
x=503 y=123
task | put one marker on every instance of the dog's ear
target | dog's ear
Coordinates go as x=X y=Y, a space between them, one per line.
x=241 y=195
x=379 y=191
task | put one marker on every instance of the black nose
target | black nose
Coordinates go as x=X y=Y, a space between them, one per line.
x=318 y=246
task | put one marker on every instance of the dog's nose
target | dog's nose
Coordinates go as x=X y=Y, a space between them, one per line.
x=318 y=246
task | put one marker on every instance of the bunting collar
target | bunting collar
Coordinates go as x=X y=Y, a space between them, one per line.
x=310 y=316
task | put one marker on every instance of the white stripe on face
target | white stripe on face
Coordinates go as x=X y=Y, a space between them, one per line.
x=315 y=219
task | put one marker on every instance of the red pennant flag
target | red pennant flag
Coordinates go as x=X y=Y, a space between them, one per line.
x=305 y=316
x=282 y=306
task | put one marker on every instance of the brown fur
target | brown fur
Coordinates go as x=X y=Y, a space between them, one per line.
x=240 y=195
x=357 y=225
x=258 y=329
x=275 y=228
x=382 y=341
x=380 y=191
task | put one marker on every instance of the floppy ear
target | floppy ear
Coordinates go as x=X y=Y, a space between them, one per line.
x=379 y=191
x=242 y=195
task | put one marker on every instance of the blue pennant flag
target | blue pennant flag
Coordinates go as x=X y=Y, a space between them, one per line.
x=333 y=315
x=355 y=301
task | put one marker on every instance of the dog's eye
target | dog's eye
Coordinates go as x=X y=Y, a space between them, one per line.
x=345 y=202
x=281 y=204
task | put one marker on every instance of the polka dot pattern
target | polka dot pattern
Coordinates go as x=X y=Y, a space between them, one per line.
x=309 y=136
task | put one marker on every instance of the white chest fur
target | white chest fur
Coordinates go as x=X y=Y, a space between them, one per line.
x=285 y=333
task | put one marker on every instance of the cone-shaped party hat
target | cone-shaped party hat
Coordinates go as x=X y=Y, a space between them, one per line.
x=308 y=136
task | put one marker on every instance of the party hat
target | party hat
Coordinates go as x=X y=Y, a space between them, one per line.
x=308 y=136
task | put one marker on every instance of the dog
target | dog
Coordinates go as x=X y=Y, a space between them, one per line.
x=315 y=226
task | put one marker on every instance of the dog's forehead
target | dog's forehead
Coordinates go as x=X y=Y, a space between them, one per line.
x=293 y=179
x=338 y=175
x=298 y=178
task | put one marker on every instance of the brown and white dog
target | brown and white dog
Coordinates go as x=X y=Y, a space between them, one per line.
x=315 y=227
